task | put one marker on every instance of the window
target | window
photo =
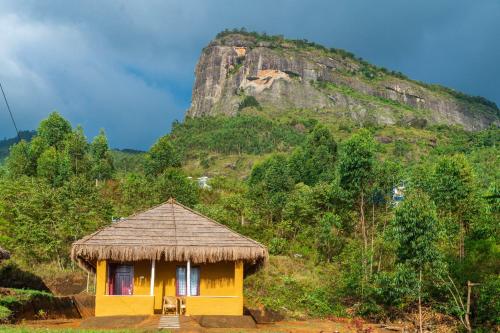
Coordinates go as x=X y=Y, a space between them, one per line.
x=181 y=281
x=120 y=279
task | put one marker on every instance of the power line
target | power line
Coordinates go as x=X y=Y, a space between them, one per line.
x=10 y=112
x=14 y=123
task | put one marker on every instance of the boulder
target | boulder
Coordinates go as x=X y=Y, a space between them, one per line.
x=263 y=315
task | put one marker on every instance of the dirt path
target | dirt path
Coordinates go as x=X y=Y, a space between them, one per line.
x=189 y=325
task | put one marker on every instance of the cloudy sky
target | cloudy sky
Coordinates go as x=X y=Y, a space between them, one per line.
x=127 y=66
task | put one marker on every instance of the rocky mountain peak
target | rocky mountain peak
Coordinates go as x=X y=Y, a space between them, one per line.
x=280 y=74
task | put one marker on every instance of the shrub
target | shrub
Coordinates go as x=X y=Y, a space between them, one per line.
x=249 y=102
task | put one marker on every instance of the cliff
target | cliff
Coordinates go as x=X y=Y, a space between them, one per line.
x=239 y=70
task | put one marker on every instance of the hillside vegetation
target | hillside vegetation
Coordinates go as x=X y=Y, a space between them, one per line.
x=319 y=195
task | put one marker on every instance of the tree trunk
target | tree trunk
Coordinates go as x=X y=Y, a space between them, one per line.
x=420 y=301
x=363 y=231
x=363 y=222
x=374 y=229
x=462 y=241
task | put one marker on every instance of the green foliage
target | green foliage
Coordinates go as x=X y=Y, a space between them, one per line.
x=269 y=185
x=488 y=302
x=173 y=183
x=314 y=161
x=15 y=298
x=234 y=135
x=295 y=288
x=356 y=162
x=126 y=161
x=40 y=222
x=163 y=155
x=102 y=163
x=330 y=239
x=397 y=289
x=4 y=313
x=58 y=152
x=249 y=102
x=416 y=231
x=54 y=130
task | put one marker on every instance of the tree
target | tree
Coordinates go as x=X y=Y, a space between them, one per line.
x=162 y=155
x=76 y=147
x=315 y=160
x=102 y=162
x=269 y=186
x=453 y=188
x=54 y=129
x=48 y=165
x=355 y=169
x=330 y=240
x=19 y=162
x=173 y=183
x=415 y=229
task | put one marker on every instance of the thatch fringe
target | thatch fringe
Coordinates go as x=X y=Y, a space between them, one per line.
x=85 y=254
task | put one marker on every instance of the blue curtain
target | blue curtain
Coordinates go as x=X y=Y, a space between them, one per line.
x=195 y=281
x=180 y=278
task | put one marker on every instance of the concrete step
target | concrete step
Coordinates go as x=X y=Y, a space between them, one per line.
x=169 y=322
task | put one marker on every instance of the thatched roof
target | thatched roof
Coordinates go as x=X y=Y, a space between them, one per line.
x=170 y=232
x=4 y=254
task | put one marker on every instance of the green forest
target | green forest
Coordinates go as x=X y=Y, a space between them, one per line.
x=319 y=195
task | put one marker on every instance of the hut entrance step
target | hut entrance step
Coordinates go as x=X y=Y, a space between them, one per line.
x=169 y=322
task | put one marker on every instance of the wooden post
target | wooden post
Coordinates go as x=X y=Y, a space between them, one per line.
x=152 y=288
x=188 y=278
x=88 y=280
x=468 y=326
x=420 y=302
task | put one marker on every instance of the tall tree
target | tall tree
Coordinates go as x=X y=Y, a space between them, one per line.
x=453 y=188
x=102 y=161
x=315 y=160
x=415 y=229
x=162 y=155
x=355 y=168
x=54 y=129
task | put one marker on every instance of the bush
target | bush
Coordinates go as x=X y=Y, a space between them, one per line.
x=488 y=303
x=249 y=102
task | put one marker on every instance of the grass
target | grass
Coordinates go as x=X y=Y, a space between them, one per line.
x=19 y=296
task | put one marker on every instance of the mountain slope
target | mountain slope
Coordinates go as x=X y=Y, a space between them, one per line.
x=269 y=73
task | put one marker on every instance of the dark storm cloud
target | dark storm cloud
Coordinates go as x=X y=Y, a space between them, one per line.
x=127 y=66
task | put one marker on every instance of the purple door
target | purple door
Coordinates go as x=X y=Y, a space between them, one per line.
x=121 y=279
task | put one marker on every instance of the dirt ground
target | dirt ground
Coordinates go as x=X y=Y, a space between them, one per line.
x=189 y=325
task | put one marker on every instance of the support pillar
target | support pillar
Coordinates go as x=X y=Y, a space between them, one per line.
x=188 y=278
x=153 y=264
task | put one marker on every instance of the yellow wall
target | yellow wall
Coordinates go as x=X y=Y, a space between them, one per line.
x=142 y=276
x=213 y=305
x=218 y=279
x=111 y=305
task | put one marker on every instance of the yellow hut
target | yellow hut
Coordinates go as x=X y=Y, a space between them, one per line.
x=168 y=259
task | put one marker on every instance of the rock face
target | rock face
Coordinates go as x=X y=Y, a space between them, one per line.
x=285 y=75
